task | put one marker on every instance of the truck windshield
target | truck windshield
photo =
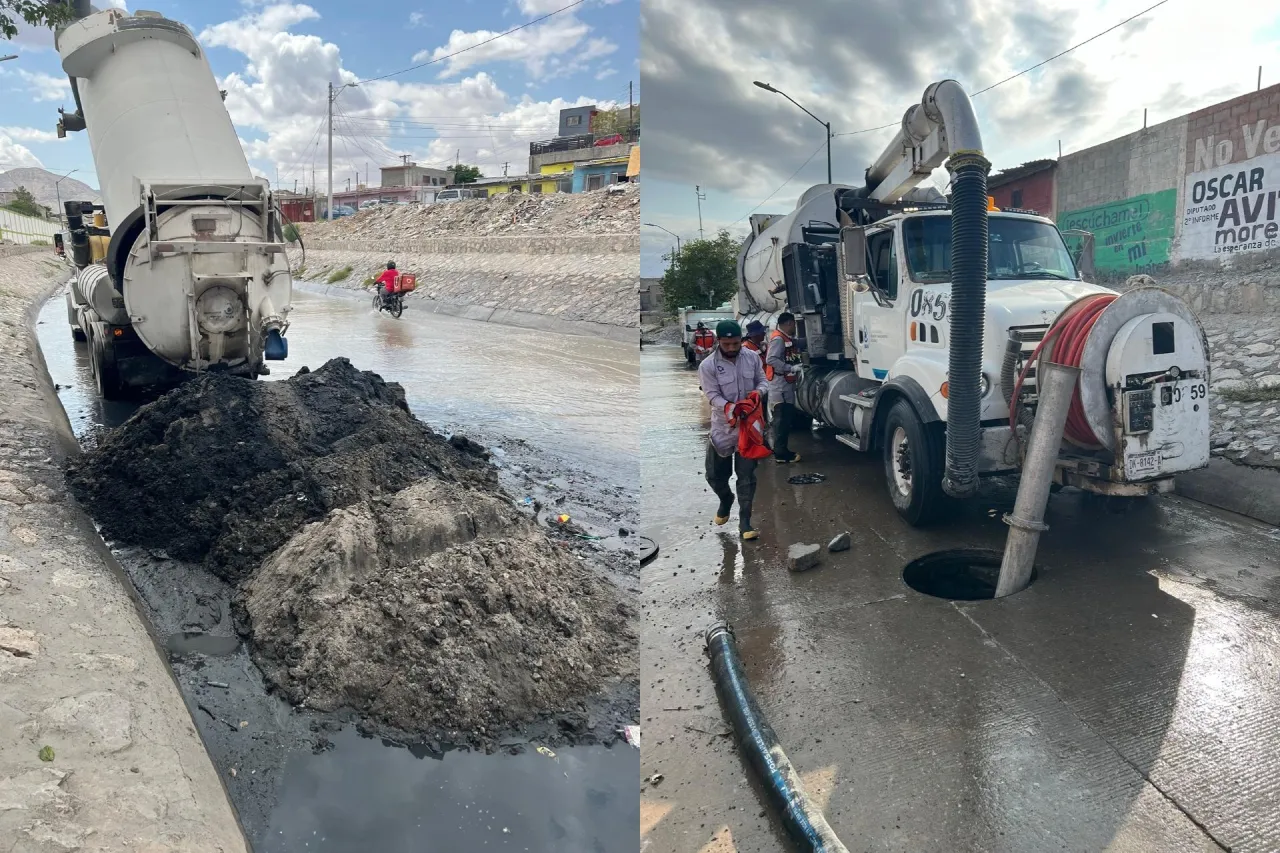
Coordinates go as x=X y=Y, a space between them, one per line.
x=1017 y=248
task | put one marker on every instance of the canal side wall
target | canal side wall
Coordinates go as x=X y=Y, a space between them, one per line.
x=79 y=671
x=577 y=284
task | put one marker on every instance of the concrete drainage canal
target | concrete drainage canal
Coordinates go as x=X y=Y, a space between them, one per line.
x=313 y=761
x=957 y=574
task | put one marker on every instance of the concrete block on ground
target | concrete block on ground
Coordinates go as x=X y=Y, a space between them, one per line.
x=801 y=557
x=841 y=543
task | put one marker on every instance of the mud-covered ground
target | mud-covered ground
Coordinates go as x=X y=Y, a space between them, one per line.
x=295 y=771
x=378 y=566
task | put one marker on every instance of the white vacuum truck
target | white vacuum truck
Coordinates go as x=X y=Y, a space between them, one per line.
x=184 y=269
x=923 y=321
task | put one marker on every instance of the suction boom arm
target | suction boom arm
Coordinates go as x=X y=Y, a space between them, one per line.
x=941 y=125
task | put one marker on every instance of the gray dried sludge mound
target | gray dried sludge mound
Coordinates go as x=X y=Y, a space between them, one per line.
x=441 y=608
x=223 y=470
x=379 y=566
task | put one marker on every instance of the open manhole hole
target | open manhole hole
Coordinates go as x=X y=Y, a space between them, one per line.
x=958 y=575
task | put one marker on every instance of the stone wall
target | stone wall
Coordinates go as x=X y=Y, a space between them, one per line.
x=598 y=287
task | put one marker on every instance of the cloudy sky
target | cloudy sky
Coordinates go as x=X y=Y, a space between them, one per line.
x=275 y=59
x=860 y=64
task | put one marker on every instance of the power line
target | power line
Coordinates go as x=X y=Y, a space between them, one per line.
x=974 y=95
x=784 y=183
x=480 y=44
x=1026 y=70
x=1068 y=50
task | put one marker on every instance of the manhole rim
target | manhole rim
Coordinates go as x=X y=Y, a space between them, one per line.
x=985 y=557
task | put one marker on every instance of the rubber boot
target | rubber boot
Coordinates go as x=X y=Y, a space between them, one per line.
x=744 y=522
x=722 y=514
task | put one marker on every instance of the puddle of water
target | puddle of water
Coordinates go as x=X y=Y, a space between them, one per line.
x=206 y=644
x=362 y=796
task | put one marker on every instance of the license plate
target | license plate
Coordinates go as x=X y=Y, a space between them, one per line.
x=1144 y=464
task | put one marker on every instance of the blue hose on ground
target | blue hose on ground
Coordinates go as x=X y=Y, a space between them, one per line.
x=803 y=820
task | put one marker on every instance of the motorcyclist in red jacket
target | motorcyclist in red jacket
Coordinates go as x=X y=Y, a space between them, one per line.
x=387 y=281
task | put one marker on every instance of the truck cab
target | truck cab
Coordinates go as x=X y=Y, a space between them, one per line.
x=901 y=312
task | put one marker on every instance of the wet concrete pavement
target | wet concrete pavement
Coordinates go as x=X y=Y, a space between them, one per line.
x=305 y=781
x=1127 y=701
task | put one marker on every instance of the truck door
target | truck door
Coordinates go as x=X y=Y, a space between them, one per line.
x=878 y=322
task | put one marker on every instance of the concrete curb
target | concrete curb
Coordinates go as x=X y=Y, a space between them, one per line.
x=1254 y=492
x=502 y=316
x=129 y=771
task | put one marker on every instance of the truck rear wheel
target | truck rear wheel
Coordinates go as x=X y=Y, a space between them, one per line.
x=103 y=365
x=914 y=456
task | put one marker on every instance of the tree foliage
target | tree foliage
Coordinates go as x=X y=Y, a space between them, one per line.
x=25 y=203
x=704 y=274
x=463 y=174
x=37 y=13
x=609 y=122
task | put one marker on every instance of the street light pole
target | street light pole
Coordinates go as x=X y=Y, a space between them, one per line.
x=57 y=188
x=333 y=95
x=825 y=124
x=673 y=234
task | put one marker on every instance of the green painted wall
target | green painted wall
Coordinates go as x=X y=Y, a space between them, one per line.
x=1130 y=236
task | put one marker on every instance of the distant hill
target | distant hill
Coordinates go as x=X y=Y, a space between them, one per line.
x=41 y=185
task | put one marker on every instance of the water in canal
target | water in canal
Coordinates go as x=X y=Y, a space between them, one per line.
x=554 y=409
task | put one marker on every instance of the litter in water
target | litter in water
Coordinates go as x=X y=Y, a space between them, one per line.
x=806 y=479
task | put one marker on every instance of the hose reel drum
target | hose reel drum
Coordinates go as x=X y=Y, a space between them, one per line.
x=1144 y=384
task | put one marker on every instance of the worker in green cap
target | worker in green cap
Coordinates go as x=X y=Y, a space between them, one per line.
x=728 y=376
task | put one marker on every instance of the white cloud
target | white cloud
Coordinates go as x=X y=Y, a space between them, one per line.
x=416 y=18
x=16 y=156
x=29 y=134
x=605 y=72
x=277 y=102
x=729 y=136
x=549 y=49
x=41 y=86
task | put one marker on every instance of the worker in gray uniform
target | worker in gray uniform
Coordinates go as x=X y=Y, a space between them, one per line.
x=782 y=369
x=727 y=376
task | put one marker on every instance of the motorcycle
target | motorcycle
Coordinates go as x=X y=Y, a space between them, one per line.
x=392 y=303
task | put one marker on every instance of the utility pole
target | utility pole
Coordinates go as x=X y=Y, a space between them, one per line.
x=701 y=196
x=1259 y=78
x=329 y=209
x=631 y=106
x=504 y=169
x=357 y=189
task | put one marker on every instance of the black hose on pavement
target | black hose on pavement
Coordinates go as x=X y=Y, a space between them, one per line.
x=803 y=820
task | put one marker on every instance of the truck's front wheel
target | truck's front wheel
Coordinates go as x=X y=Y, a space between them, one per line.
x=914 y=456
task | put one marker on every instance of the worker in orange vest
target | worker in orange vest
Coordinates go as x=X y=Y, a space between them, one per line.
x=704 y=340
x=754 y=341
x=782 y=369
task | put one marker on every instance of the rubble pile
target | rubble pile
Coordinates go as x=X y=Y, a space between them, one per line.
x=609 y=211
x=379 y=565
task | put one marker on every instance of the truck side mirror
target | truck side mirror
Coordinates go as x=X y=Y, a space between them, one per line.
x=853 y=252
x=688 y=328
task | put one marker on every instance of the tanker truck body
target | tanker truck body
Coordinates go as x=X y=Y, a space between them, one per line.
x=183 y=268
x=923 y=320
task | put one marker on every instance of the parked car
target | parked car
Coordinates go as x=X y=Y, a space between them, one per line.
x=341 y=210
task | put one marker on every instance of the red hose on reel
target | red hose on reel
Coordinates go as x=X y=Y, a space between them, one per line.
x=1068 y=335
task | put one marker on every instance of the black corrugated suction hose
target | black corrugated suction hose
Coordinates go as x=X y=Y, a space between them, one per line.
x=803 y=820
x=968 y=316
